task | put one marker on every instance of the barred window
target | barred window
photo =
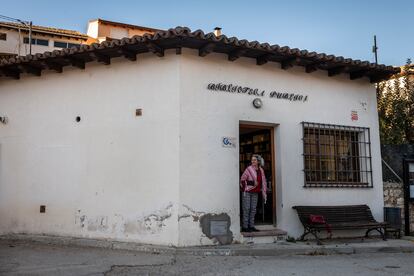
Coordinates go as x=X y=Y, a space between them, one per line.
x=336 y=156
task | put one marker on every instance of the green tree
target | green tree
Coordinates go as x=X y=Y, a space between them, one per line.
x=396 y=107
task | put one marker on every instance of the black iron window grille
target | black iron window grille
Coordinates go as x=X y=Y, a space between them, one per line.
x=336 y=156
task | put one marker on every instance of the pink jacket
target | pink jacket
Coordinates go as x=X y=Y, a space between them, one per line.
x=251 y=175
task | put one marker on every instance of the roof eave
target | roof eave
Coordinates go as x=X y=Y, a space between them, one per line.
x=124 y=25
x=180 y=37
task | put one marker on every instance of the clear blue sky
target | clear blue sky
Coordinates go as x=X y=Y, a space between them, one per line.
x=331 y=26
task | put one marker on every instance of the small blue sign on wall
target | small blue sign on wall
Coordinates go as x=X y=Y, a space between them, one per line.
x=228 y=142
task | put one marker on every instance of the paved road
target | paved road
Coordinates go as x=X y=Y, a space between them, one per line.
x=24 y=258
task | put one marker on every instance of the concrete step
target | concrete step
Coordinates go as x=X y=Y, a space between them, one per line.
x=265 y=235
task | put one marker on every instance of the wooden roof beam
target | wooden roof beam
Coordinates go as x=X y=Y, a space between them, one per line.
x=128 y=53
x=310 y=68
x=105 y=59
x=336 y=70
x=357 y=74
x=155 y=49
x=10 y=72
x=378 y=78
x=206 y=49
x=263 y=59
x=57 y=67
x=235 y=54
x=289 y=62
x=76 y=62
x=30 y=69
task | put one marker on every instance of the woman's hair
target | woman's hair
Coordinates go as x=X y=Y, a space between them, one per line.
x=259 y=159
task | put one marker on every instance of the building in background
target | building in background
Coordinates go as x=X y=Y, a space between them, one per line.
x=14 y=39
x=104 y=30
x=405 y=71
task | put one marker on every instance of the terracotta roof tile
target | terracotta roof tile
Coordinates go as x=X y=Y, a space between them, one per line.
x=183 y=37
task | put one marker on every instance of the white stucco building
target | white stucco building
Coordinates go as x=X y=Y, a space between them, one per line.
x=103 y=30
x=14 y=39
x=151 y=150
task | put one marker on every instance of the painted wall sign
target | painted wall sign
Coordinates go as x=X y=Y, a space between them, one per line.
x=354 y=115
x=228 y=142
x=238 y=89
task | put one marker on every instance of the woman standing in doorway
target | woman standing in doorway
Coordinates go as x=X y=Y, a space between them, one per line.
x=252 y=182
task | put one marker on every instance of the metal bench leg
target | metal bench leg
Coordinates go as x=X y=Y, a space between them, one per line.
x=313 y=232
x=305 y=233
x=382 y=233
x=318 y=241
x=367 y=232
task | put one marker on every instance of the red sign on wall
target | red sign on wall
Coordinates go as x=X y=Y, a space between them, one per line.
x=354 y=115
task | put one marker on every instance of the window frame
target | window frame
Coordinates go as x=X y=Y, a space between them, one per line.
x=358 y=159
x=63 y=43
x=26 y=40
x=46 y=41
x=70 y=45
x=35 y=41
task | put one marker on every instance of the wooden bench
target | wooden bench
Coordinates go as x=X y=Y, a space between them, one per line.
x=345 y=217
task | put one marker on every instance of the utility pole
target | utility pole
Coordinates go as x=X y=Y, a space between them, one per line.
x=375 y=49
x=30 y=37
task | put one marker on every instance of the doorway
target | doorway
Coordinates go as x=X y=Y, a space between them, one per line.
x=259 y=139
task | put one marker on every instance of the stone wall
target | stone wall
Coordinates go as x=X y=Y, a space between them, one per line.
x=393 y=194
x=392 y=169
x=394 y=197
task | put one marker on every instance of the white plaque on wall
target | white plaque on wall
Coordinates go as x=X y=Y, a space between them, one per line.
x=218 y=227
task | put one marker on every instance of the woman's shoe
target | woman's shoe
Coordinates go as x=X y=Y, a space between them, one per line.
x=254 y=229
x=246 y=230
